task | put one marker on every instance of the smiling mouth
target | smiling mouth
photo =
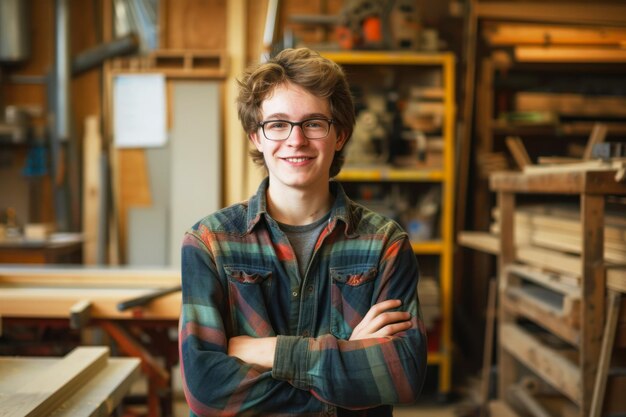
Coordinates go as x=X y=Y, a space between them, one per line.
x=299 y=159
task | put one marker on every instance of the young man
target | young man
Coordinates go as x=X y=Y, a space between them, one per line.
x=299 y=302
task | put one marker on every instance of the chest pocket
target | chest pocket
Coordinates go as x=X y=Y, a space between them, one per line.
x=249 y=290
x=352 y=289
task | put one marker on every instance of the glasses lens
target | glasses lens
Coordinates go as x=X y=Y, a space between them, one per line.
x=281 y=129
x=315 y=128
x=277 y=130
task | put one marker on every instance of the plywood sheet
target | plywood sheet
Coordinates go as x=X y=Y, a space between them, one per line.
x=196 y=168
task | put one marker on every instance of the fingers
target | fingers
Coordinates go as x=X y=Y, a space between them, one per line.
x=381 y=307
x=388 y=330
x=380 y=322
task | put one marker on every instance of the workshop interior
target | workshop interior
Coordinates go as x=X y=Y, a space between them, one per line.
x=492 y=131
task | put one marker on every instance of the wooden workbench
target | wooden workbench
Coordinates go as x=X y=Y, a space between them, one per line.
x=89 y=296
x=86 y=382
x=52 y=292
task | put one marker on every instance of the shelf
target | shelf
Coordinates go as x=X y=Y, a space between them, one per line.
x=432 y=75
x=560 y=130
x=435 y=358
x=545 y=361
x=434 y=247
x=389 y=174
x=387 y=58
x=482 y=241
x=574 y=182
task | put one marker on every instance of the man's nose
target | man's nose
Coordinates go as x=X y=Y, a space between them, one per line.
x=297 y=138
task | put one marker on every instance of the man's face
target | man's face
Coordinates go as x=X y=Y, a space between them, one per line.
x=297 y=162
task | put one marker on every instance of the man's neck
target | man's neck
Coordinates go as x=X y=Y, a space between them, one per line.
x=296 y=207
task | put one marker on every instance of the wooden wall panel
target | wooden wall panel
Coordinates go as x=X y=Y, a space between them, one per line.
x=193 y=24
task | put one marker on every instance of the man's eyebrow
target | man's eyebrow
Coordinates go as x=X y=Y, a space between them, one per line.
x=283 y=116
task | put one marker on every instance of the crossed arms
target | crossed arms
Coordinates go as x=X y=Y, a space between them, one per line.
x=378 y=322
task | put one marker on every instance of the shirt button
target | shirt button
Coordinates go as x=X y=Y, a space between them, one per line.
x=309 y=289
x=305 y=333
x=295 y=293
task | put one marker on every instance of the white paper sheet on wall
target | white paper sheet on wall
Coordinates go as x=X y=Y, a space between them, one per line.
x=139 y=110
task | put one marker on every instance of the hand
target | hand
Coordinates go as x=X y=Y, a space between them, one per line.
x=258 y=352
x=378 y=322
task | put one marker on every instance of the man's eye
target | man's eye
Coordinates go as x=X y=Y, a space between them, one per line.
x=276 y=125
x=313 y=124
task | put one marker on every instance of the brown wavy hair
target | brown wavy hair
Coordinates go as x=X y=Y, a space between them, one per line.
x=308 y=69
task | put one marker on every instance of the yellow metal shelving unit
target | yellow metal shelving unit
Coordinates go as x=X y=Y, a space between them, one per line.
x=442 y=358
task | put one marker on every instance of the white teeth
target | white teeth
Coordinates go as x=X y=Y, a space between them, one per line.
x=296 y=159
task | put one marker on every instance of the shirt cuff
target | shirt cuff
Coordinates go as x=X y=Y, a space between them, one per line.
x=291 y=361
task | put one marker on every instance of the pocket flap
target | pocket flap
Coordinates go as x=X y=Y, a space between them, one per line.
x=353 y=276
x=247 y=274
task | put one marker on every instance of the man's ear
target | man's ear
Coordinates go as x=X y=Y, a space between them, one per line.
x=256 y=141
x=341 y=141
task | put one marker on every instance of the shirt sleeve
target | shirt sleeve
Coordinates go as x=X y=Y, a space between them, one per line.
x=215 y=383
x=368 y=372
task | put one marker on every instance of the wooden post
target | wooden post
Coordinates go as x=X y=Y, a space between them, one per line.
x=597 y=401
x=593 y=292
x=92 y=193
x=507 y=365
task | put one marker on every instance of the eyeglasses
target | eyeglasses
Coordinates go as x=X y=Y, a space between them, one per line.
x=281 y=129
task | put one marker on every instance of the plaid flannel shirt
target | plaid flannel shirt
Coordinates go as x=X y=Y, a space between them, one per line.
x=240 y=277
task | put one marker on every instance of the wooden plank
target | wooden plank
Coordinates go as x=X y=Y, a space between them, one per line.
x=566 y=219
x=551 y=281
x=97 y=397
x=514 y=301
x=488 y=345
x=500 y=408
x=598 y=134
x=550 y=260
x=597 y=400
x=550 y=299
x=573 y=244
x=517 y=149
x=105 y=277
x=508 y=371
x=100 y=396
x=569 y=104
x=80 y=314
x=520 y=395
x=593 y=293
x=544 y=361
x=55 y=384
x=557 y=181
x=507 y=33
x=50 y=302
x=18 y=371
x=577 y=13
x=235 y=155
x=483 y=241
x=176 y=64
x=567 y=235
x=567 y=55
x=616 y=278
x=92 y=150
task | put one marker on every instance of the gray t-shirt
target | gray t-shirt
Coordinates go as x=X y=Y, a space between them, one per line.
x=303 y=239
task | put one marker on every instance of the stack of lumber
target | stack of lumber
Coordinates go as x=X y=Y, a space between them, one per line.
x=86 y=382
x=558 y=228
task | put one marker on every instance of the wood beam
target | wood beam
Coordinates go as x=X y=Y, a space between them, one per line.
x=579 y=13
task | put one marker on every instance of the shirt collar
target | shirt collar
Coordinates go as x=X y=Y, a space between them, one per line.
x=257 y=206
